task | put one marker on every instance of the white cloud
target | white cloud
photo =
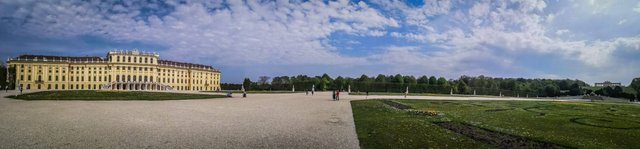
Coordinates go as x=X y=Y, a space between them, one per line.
x=244 y=33
x=561 y=32
x=637 y=8
x=513 y=29
x=622 y=21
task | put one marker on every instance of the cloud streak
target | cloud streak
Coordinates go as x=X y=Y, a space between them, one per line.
x=441 y=37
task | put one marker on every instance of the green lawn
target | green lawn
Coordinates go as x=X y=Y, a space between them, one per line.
x=568 y=124
x=258 y=92
x=110 y=95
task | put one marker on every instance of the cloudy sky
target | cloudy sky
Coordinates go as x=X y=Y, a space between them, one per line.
x=590 y=40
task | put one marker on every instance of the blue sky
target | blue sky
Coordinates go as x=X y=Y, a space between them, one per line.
x=590 y=40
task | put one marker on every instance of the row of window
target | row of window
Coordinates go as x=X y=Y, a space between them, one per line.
x=96 y=86
x=99 y=70
x=130 y=58
x=108 y=78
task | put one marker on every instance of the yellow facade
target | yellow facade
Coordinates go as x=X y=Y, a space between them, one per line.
x=120 y=70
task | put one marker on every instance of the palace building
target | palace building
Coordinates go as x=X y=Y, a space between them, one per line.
x=120 y=70
x=608 y=83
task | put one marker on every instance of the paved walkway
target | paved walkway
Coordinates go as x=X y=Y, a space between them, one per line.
x=259 y=121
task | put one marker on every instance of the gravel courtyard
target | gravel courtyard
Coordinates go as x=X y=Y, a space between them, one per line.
x=259 y=121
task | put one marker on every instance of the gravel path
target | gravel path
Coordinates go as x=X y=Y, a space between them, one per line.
x=259 y=121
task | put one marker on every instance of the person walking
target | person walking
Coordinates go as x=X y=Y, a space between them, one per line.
x=21 y=89
x=333 y=94
x=367 y=95
x=338 y=95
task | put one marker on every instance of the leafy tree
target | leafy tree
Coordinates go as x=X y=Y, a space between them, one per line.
x=635 y=84
x=462 y=87
x=263 y=82
x=339 y=82
x=247 y=83
x=3 y=76
x=442 y=81
x=551 y=90
x=410 y=80
x=381 y=79
x=433 y=80
x=423 y=80
x=575 y=90
x=399 y=79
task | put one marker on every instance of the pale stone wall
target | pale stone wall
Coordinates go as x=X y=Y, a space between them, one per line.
x=124 y=68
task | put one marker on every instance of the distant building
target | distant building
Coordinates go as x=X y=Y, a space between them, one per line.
x=607 y=83
x=120 y=70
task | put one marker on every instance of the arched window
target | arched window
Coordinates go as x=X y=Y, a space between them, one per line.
x=134 y=78
x=129 y=59
x=117 y=78
x=145 y=60
x=128 y=78
x=118 y=57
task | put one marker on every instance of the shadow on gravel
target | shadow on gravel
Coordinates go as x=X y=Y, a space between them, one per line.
x=497 y=139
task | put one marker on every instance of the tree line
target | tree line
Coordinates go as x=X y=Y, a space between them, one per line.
x=479 y=85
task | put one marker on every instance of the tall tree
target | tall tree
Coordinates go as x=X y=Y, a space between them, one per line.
x=635 y=84
x=398 y=79
x=3 y=76
x=247 y=83
x=442 y=81
x=410 y=80
x=381 y=78
x=339 y=83
x=462 y=87
x=433 y=80
x=423 y=80
x=263 y=80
